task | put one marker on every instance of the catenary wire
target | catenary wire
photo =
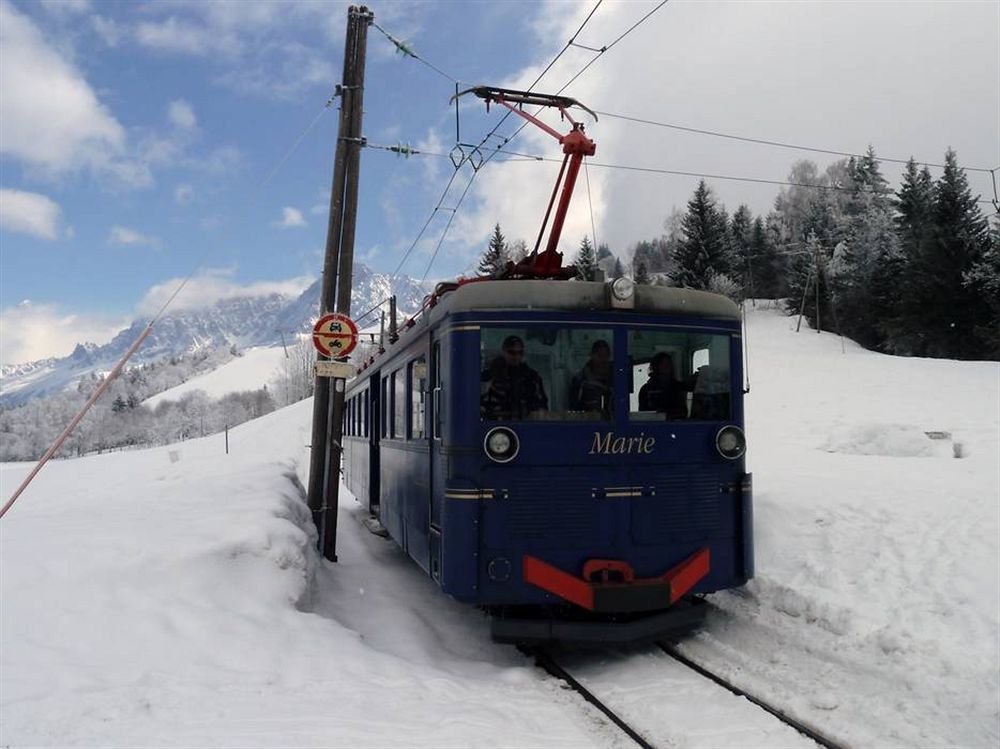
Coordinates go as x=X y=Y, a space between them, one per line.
x=766 y=142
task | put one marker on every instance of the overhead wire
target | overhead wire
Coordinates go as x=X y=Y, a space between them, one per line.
x=775 y=143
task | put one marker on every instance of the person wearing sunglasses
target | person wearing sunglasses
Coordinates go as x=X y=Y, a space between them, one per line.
x=509 y=387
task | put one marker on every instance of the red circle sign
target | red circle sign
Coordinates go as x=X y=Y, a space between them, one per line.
x=335 y=335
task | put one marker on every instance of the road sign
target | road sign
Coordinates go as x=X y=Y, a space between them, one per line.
x=335 y=335
x=333 y=369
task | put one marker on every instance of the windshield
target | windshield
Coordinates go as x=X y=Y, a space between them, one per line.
x=545 y=374
x=678 y=375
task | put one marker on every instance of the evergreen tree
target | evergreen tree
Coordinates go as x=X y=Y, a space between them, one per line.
x=640 y=273
x=586 y=261
x=984 y=280
x=741 y=241
x=494 y=260
x=704 y=251
x=519 y=250
x=945 y=311
x=765 y=263
x=619 y=270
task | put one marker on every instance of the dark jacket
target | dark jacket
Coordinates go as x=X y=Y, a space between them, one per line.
x=512 y=392
x=668 y=397
x=591 y=391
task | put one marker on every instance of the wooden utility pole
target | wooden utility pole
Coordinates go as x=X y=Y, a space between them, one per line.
x=324 y=466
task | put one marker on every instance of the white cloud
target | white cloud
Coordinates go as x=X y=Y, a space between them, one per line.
x=182 y=115
x=183 y=37
x=29 y=213
x=290 y=218
x=52 y=118
x=123 y=236
x=182 y=194
x=784 y=88
x=319 y=209
x=29 y=332
x=107 y=29
x=213 y=285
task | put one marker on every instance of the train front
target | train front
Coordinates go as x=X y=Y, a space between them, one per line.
x=598 y=472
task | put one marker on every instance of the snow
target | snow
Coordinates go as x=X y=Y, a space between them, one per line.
x=173 y=597
x=252 y=370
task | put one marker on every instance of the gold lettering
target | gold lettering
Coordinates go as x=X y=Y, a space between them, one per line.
x=608 y=444
x=601 y=444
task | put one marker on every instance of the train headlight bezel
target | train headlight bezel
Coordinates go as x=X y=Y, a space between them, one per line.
x=621 y=293
x=731 y=442
x=501 y=444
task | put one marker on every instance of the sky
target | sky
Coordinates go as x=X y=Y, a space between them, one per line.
x=143 y=143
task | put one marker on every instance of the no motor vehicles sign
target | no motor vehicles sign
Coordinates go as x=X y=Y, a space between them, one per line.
x=335 y=335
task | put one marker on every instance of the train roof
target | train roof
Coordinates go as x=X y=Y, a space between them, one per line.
x=580 y=295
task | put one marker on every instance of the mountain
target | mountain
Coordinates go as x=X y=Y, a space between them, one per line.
x=240 y=321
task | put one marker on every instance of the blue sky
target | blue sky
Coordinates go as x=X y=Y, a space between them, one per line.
x=136 y=136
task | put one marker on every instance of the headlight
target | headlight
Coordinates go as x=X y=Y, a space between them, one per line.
x=731 y=443
x=622 y=288
x=501 y=444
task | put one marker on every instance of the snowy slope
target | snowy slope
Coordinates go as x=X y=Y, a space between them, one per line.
x=252 y=370
x=172 y=597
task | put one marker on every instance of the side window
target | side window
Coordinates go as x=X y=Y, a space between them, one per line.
x=399 y=403
x=418 y=393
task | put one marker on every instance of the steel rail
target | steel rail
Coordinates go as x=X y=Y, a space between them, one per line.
x=811 y=733
x=545 y=661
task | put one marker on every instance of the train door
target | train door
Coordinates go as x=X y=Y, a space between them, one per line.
x=374 y=428
x=436 y=476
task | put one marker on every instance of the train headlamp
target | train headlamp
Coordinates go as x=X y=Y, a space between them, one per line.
x=501 y=444
x=622 y=288
x=622 y=293
x=731 y=443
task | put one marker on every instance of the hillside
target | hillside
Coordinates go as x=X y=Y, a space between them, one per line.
x=172 y=596
x=241 y=322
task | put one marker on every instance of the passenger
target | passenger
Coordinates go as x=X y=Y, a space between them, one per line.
x=510 y=388
x=592 y=387
x=663 y=392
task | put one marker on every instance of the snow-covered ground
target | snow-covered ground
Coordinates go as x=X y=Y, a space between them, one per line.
x=172 y=596
x=252 y=370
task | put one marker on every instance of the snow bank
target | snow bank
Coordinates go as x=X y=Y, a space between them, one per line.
x=875 y=609
x=157 y=602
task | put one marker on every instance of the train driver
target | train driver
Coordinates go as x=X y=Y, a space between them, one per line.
x=510 y=389
x=663 y=392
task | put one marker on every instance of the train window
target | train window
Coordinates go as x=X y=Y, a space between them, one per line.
x=678 y=375
x=399 y=404
x=365 y=406
x=418 y=392
x=546 y=374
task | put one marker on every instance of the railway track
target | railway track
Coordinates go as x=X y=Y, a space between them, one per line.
x=651 y=695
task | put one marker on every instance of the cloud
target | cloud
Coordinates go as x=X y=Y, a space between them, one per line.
x=29 y=213
x=29 y=332
x=107 y=29
x=182 y=194
x=213 y=285
x=290 y=218
x=743 y=83
x=182 y=115
x=183 y=37
x=53 y=120
x=123 y=236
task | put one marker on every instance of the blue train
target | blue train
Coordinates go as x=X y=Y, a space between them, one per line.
x=594 y=496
